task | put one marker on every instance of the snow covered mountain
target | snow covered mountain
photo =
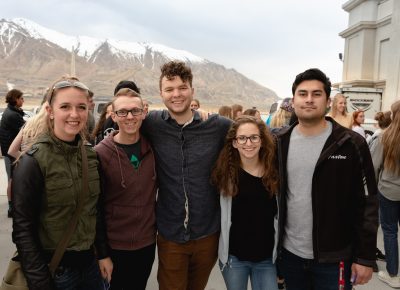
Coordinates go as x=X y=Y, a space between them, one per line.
x=31 y=56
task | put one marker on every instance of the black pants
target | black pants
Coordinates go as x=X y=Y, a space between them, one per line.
x=132 y=268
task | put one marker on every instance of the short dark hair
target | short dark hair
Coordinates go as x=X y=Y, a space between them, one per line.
x=12 y=96
x=174 y=69
x=126 y=85
x=313 y=74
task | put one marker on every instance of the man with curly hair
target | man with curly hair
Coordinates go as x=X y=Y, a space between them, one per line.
x=185 y=148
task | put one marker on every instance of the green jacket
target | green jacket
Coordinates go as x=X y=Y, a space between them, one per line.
x=60 y=165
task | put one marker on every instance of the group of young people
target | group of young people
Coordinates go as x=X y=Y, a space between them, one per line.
x=198 y=189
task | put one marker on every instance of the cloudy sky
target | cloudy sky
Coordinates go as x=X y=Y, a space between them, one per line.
x=267 y=41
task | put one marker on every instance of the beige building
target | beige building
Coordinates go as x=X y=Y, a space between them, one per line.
x=371 y=58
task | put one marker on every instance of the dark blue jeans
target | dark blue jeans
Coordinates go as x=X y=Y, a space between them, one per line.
x=305 y=274
x=390 y=218
x=86 y=278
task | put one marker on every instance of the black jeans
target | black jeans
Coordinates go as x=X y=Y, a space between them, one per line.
x=306 y=274
x=132 y=268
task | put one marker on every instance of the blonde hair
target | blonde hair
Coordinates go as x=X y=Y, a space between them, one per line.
x=41 y=123
x=280 y=118
x=335 y=101
x=391 y=140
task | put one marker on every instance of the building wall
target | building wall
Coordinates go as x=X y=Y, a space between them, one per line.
x=372 y=47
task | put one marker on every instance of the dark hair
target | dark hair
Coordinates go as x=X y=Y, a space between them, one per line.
x=12 y=96
x=126 y=84
x=101 y=121
x=225 y=111
x=313 y=74
x=225 y=174
x=174 y=69
x=251 y=112
x=383 y=119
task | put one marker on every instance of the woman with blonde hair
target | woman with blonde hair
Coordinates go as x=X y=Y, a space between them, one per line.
x=55 y=192
x=339 y=111
x=386 y=159
x=247 y=179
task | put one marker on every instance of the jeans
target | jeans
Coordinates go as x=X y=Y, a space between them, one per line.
x=390 y=217
x=306 y=274
x=236 y=274
x=86 y=278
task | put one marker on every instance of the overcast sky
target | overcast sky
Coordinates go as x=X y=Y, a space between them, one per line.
x=267 y=41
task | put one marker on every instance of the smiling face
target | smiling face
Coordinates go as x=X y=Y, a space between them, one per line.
x=248 y=150
x=177 y=96
x=129 y=125
x=341 y=105
x=310 y=101
x=69 y=112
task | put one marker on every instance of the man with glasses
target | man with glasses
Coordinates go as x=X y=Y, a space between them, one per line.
x=185 y=148
x=128 y=177
x=328 y=202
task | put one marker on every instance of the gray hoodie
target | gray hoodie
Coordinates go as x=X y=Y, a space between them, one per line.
x=388 y=182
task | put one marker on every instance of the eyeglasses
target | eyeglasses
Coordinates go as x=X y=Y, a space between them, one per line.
x=67 y=84
x=124 y=113
x=243 y=139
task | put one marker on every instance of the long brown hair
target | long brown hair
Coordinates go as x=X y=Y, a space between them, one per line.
x=225 y=174
x=391 y=140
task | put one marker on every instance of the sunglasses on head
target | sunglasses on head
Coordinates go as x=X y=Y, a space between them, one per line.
x=67 y=84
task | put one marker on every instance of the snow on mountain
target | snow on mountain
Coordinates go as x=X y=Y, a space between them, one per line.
x=85 y=46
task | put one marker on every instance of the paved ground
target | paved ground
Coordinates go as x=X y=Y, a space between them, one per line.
x=216 y=282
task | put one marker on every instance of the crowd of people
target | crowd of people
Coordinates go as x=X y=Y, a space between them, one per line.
x=292 y=204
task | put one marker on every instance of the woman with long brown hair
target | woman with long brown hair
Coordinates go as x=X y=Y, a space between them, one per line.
x=247 y=178
x=358 y=120
x=386 y=159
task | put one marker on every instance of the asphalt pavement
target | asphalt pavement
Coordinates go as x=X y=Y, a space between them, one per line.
x=215 y=282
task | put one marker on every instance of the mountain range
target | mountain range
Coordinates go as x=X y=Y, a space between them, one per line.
x=32 y=57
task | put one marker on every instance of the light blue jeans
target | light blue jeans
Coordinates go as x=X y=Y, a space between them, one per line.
x=236 y=274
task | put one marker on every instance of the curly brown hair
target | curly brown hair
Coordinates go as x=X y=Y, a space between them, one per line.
x=225 y=174
x=174 y=69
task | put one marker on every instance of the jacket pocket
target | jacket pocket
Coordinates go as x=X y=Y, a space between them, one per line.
x=60 y=192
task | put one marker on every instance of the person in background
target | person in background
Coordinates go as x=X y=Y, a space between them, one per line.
x=11 y=122
x=253 y=112
x=383 y=120
x=185 y=148
x=339 y=111
x=358 y=119
x=283 y=114
x=33 y=127
x=100 y=131
x=237 y=110
x=195 y=104
x=47 y=187
x=225 y=111
x=127 y=170
x=247 y=179
x=386 y=159
x=145 y=106
x=91 y=121
x=328 y=204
